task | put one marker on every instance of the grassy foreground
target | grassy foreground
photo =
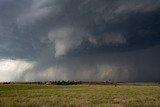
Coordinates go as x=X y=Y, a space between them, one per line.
x=31 y=95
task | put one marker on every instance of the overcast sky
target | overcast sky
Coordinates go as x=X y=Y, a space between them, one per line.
x=82 y=40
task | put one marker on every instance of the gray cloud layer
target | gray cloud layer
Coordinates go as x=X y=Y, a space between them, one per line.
x=82 y=40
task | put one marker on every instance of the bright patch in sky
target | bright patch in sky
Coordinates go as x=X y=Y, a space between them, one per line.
x=12 y=69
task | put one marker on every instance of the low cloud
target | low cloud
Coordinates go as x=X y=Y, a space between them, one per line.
x=136 y=6
x=114 y=38
x=87 y=40
x=64 y=39
x=36 y=12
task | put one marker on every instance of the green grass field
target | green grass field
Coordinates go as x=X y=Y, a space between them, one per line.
x=26 y=95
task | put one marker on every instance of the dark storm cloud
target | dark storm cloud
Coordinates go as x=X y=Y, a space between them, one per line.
x=77 y=39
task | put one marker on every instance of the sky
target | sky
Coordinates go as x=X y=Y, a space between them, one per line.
x=81 y=40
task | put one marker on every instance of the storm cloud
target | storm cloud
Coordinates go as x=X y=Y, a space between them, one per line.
x=81 y=40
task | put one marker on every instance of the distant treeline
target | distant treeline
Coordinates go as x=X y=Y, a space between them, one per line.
x=47 y=82
x=82 y=82
x=62 y=82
